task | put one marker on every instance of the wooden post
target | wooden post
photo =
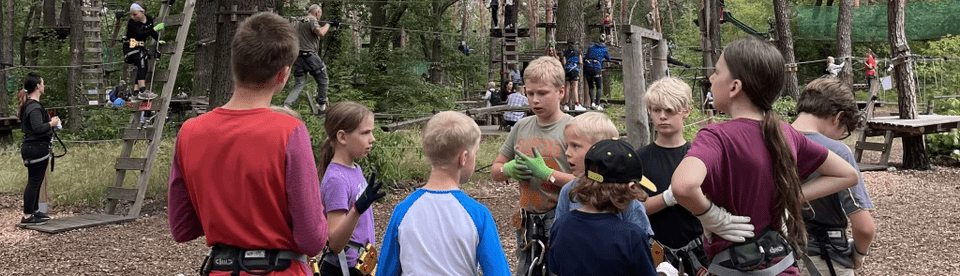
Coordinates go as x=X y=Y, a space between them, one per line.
x=634 y=87
x=659 y=68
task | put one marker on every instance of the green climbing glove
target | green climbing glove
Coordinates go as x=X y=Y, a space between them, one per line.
x=159 y=27
x=535 y=164
x=516 y=171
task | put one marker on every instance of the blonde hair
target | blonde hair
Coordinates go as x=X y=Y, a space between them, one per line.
x=547 y=69
x=670 y=93
x=447 y=135
x=491 y=85
x=594 y=126
x=286 y=110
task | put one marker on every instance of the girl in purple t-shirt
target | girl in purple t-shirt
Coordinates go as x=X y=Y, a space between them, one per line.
x=349 y=128
x=739 y=189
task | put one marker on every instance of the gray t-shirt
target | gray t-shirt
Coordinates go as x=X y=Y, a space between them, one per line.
x=536 y=196
x=832 y=210
x=307 y=33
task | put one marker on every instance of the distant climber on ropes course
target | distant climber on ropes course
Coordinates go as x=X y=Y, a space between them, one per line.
x=139 y=28
x=309 y=31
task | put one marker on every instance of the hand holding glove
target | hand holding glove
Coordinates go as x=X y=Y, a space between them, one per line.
x=159 y=27
x=535 y=164
x=334 y=23
x=858 y=258
x=516 y=171
x=724 y=224
x=370 y=194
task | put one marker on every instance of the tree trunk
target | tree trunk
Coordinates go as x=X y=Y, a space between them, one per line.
x=844 y=26
x=222 y=84
x=709 y=40
x=204 y=62
x=76 y=59
x=6 y=55
x=785 y=44
x=571 y=27
x=914 y=151
x=533 y=18
x=50 y=13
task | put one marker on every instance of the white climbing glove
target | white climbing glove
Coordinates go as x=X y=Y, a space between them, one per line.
x=666 y=269
x=724 y=224
x=668 y=198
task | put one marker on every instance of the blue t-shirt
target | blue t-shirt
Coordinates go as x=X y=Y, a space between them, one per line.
x=598 y=244
x=441 y=233
x=636 y=213
x=832 y=210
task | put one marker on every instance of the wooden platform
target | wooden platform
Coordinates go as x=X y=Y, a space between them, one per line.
x=924 y=124
x=7 y=125
x=54 y=226
x=871 y=167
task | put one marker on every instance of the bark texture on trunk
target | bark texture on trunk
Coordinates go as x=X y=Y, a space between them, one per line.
x=914 y=150
x=785 y=44
x=844 y=26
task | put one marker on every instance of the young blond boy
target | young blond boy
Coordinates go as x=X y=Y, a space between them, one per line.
x=593 y=240
x=542 y=175
x=438 y=229
x=267 y=209
x=581 y=133
x=668 y=101
x=828 y=112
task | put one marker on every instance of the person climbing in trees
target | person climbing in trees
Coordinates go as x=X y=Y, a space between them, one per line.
x=309 y=31
x=139 y=28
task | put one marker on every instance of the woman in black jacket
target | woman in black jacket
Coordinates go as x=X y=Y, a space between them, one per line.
x=139 y=28
x=37 y=128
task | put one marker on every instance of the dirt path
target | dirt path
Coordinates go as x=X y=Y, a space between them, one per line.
x=917 y=216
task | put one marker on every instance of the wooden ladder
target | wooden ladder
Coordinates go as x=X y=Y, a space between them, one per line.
x=862 y=144
x=93 y=81
x=118 y=193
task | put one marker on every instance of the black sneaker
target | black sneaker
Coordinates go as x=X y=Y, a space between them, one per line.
x=33 y=219
x=41 y=215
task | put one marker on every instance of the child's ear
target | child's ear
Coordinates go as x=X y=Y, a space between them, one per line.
x=341 y=137
x=462 y=158
x=836 y=118
x=736 y=86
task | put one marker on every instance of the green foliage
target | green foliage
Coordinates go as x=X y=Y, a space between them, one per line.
x=786 y=107
x=100 y=123
x=946 y=144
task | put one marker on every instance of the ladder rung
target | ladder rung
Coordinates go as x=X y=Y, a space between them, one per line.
x=168 y=48
x=871 y=146
x=131 y=163
x=90 y=9
x=138 y=134
x=91 y=29
x=92 y=81
x=94 y=50
x=173 y=20
x=161 y=76
x=90 y=19
x=91 y=71
x=155 y=106
x=120 y=193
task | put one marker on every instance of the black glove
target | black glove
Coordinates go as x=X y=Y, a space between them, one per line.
x=334 y=23
x=370 y=194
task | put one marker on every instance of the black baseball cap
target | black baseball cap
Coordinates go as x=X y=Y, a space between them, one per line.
x=615 y=161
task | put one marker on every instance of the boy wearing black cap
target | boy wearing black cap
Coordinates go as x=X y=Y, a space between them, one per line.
x=593 y=240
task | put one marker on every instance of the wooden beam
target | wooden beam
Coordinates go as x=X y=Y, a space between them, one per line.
x=469 y=112
x=120 y=193
x=634 y=88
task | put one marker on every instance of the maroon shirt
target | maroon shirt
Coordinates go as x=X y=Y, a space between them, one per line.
x=740 y=170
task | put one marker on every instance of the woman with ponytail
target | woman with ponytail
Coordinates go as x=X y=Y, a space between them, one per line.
x=37 y=128
x=346 y=194
x=748 y=197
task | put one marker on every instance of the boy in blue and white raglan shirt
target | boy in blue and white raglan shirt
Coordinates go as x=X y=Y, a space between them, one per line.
x=438 y=229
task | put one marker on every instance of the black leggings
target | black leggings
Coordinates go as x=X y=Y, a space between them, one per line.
x=35 y=174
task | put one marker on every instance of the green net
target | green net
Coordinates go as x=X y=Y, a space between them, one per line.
x=923 y=21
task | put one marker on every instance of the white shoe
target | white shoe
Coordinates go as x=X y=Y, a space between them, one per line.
x=579 y=108
x=565 y=107
x=323 y=107
x=599 y=108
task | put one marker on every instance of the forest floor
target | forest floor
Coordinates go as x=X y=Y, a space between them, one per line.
x=917 y=216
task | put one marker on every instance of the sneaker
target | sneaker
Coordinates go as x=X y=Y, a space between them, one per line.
x=33 y=219
x=147 y=95
x=598 y=108
x=323 y=107
x=579 y=107
x=41 y=215
x=565 y=108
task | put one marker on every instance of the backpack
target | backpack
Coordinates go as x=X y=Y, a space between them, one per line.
x=495 y=98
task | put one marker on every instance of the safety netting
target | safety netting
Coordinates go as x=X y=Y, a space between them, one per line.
x=923 y=20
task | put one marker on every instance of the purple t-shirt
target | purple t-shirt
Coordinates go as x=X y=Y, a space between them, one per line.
x=340 y=188
x=740 y=172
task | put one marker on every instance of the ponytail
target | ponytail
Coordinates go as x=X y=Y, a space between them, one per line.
x=21 y=102
x=326 y=156
x=787 y=211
